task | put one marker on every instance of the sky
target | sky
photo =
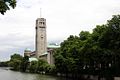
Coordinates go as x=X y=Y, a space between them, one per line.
x=64 y=18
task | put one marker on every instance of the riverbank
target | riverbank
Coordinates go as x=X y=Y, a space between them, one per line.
x=16 y=75
x=68 y=76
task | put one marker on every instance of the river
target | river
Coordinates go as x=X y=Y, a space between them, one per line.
x=13 y=75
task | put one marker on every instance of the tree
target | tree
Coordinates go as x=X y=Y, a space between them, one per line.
x=24 y=63
x=96 y=53
x=15 y=61
x=84 y=35
x=4 y=64
x=68 y=57
x=6 y=4
x=111 y=40
x=33 y=66
x=42 y=66
x=16 y=56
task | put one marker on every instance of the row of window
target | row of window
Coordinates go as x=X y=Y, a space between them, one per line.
x=41 y=23
x=42 y=27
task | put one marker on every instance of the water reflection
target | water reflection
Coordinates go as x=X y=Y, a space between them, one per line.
x=13 y=75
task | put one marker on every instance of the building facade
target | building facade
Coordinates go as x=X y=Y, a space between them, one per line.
x=42 y=50
x=48 y=55
x=41 y=40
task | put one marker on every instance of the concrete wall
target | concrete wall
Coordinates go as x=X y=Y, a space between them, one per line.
x=44 y=57
x=50 y=58
x=116 y=78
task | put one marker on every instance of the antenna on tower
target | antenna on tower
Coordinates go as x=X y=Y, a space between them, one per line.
x=40 y=12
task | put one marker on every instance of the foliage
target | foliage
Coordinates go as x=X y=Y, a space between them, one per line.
x=6 y=4
x=4 y=64
x=15 y=61
x=33 y=66
x=96 y=53
x=24 y=63
x=40 y=66
x=19 y=63
x=16 y=56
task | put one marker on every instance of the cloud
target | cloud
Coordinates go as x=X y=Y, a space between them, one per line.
x=14 y=43
x=64 y=18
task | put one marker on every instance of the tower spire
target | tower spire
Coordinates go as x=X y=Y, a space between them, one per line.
x=40 y=12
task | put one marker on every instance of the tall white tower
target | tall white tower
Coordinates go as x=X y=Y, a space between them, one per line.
x=41 y=40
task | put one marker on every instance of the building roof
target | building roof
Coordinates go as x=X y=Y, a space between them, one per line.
x=27 y=50
x=33 y=59
x=44 y=54
x=53 y=45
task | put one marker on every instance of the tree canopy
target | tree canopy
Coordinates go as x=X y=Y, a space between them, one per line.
x=91 y=53
x=96 y=53
x=6 y=4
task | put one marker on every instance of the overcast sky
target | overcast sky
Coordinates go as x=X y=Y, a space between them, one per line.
x=64 y=18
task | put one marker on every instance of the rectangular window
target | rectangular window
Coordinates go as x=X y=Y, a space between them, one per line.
x=40 y=23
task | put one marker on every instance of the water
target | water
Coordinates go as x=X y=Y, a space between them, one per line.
x=13 y=75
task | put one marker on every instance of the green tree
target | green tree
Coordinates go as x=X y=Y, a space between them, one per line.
x=24 y=63
x=6 y=4
x=15 y=61
x=16 y=56
x=4 y=64
x=111 y=40
x=96 y=53
x=33 y=66
x=42 y=66
x=68 y=57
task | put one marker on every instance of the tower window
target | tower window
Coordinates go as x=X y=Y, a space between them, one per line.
x=41 y=36
x=43 y=23
x=40 y=22
x=42 y=27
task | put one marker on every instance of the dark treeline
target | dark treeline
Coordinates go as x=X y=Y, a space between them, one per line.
x=19 y=63
x=96 y=53
x=4 y=64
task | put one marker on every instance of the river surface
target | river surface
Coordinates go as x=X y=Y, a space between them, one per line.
x=13 y=75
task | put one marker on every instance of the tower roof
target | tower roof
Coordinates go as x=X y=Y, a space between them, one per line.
x=27 y=50
x=53 y=45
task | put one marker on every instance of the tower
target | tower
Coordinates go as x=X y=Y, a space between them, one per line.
x=41 y=40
